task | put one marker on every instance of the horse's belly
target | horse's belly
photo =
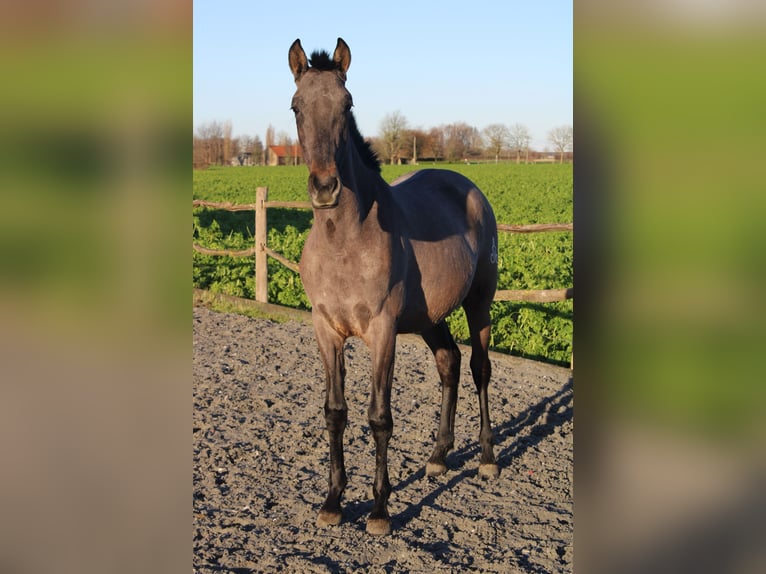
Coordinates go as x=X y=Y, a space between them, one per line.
x=438 y=284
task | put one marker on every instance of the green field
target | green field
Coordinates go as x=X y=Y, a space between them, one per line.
x=519 y=194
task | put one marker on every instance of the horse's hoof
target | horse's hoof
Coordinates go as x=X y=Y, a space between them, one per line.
x=327 y=518
x=489 y=471
x=379 y=526
x=435 y=469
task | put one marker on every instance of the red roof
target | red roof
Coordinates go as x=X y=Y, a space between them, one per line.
x=286 y=150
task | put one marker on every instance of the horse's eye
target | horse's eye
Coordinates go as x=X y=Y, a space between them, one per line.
x=294 y=109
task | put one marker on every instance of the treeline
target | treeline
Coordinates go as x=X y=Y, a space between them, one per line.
x=398 y=143
x=395 y=143
x=215 y=145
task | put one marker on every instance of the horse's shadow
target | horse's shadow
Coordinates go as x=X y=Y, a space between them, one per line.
x=543 y=419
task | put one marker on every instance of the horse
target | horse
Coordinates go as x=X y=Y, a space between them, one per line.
x=384 y=259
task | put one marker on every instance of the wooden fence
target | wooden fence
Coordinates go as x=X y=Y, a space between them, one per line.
x=262 y=252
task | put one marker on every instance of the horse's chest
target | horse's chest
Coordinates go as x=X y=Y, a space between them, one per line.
x=351 y=273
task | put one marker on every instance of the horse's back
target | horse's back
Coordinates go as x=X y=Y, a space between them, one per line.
x=440 y=181
x=439 y=203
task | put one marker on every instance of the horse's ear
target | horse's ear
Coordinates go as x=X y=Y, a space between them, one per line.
x=298 y=61
x=342 y=56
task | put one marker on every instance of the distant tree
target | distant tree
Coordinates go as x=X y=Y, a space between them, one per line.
x=422 y=144
x=454 y=146
x=258 y=151
x=236 y=151
x=562 y=139
x=436 y=137
x=519 y=140
x=392 y=132
x=496 y=137
x=228 y=150
x=200 y=153
x=283 y=138
x=461 y=141
x=211 y=133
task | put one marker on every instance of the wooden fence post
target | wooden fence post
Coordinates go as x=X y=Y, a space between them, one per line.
x=261 y=259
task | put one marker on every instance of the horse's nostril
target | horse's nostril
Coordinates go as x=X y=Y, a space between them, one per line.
x=324 y=184
x=324 y=190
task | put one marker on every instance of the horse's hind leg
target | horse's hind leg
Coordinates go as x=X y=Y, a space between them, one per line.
x=479 y=324
x=447 y=356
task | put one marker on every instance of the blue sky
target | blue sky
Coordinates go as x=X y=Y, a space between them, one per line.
x=478 y=62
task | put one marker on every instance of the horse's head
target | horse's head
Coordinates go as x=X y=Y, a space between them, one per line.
x=322 y=107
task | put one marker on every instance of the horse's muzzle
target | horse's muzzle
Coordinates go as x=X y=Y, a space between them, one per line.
x=324 y=191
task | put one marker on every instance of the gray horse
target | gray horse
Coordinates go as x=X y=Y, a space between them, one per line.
x=384 y=259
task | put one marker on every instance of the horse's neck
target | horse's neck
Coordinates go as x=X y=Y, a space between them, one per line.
x=366 y=186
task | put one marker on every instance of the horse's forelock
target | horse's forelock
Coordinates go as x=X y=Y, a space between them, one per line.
x=322 y=61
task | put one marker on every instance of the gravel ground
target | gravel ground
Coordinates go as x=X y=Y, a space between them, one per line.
x=261 y=460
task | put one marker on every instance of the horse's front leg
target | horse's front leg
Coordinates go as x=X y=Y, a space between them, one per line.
x=382 y=424
x=336 y=416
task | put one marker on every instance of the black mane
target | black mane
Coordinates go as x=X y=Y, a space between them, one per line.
x=366 y=153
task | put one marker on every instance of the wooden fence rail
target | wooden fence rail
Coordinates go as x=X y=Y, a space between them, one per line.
x=262 y=251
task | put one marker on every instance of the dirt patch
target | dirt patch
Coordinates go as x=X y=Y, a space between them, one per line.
x=261 y=460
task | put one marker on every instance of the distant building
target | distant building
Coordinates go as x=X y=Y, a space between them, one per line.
x=285 y=155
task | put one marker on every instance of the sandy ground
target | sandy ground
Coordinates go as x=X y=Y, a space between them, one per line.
x=260 y=460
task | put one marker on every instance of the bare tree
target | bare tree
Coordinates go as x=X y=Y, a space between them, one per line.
x=461 y=140
x=422 y=144
x=392 y=130
x=200 y=153
x=519 y=140
x=228 y=149
x=236 y=151
x=562 y=140
x=259 y=152
x=211 y=134
x=283 y=139
x=496 y=136
x=436 y=137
